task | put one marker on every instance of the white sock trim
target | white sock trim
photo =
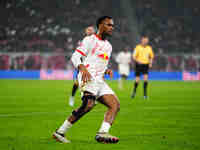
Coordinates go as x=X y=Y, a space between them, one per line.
x=64 y=127
x=105 y=127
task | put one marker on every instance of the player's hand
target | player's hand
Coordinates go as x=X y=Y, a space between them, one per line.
x=150 y=65
x=109 y=72
x=86 y=76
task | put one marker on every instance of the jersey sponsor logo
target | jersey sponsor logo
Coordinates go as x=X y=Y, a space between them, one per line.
x=103 y=56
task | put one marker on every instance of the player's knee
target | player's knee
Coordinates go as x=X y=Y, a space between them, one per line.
x=87 y=105
x=145 y=77
x=116 y=106
x=137 y=79
x=88 y=97
x=90 y=104
x=89 y=101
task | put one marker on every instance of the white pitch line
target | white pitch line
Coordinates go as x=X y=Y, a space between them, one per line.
x=48 y=113
x=37 y=113
x=37 y=96
x=31 y=114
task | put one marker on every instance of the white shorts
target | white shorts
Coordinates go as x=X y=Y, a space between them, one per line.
x=124 y=69
x=96 y=87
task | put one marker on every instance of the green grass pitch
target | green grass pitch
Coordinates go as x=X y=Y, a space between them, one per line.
x=30 y=110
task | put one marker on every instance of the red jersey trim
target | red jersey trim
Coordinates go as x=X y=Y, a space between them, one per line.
x=88 y=65
x=80 y=52
x=98 y=37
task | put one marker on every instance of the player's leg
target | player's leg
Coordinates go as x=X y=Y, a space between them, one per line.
x=137 y=79
x=121 y=72
x=88 y=102
x=145 y=85
x=124 y=77
x=120 y=84
x=74 y=89
x=121 y=80
x=113 y=105
x=145 y=73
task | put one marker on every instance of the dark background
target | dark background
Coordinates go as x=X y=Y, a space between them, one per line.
x=57 y=25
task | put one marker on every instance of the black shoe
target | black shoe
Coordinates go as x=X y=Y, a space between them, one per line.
x=145 y=97
x=60 y=137
x=106 y=138
x=133 y=95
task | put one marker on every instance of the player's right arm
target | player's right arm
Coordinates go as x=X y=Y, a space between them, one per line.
x=82 y=51
x=118 y=57
x=135 y=55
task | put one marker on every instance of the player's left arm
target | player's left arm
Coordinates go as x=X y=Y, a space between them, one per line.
x=151 y=57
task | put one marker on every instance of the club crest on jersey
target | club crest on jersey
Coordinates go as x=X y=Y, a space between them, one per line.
x=104 y=56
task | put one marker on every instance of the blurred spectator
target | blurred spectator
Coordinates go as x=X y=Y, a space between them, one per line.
x=20 y=63
x=34 y=62
x=191 y=64
x=4 y=62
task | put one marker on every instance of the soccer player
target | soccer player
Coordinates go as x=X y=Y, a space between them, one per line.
x=97 y=51
x=143 y=56
x=123 y=59
x=88 y=31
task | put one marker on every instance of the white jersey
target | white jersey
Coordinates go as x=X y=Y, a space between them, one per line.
x=96 y=52
x=123 y=59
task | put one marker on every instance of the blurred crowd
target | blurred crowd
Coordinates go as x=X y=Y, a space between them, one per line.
x=34 y=61
x=28 y=25
x=60 y=61
x=57 y=26
x=173 y=26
